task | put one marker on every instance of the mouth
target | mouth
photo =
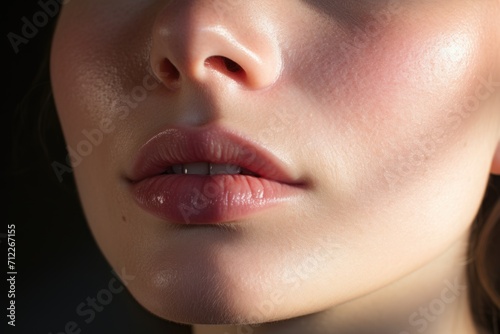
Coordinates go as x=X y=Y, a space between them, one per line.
x=208 y=168
x=209 y=176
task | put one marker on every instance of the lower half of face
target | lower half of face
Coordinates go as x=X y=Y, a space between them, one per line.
x=386 y=115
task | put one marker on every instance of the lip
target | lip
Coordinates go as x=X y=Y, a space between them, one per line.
x=208 y=199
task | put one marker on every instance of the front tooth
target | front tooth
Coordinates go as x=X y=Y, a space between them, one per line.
x=177 y=169
x=205 y=168
x=197 y=168
x=224 y=169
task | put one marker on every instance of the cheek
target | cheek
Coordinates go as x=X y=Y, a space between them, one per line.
x=407 y=100
x=98 y=70
x=428 y=97
x=404 y=119
x=99 y=54
x=95 y=62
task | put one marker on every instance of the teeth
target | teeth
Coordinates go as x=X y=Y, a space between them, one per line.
x=199 y=168
x=216 y=169
x=205 y=168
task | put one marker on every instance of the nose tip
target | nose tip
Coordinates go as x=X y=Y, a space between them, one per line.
x=193 y=43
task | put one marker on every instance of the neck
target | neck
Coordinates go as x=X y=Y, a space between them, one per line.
x=431 y=300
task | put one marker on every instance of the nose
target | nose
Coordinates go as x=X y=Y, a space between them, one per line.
x=202 y=42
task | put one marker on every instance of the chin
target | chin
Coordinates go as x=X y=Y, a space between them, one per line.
x=199 y=304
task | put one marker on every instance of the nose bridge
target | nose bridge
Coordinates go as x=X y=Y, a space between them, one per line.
x=193 y=40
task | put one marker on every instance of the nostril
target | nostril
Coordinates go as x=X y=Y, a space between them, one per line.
x=231 y=66
x=168 y=70
x=223 y=64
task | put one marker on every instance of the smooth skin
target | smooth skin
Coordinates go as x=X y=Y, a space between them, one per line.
x=387 y=111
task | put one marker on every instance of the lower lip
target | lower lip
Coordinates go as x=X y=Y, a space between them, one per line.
x=199 y=199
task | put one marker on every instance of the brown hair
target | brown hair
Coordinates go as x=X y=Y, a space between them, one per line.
x=484 y=266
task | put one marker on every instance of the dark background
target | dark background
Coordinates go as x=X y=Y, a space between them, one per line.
x=57 y=261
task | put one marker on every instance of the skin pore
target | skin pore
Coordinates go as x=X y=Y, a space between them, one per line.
x=387 y=112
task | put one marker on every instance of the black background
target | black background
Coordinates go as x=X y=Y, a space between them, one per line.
x=57 y=260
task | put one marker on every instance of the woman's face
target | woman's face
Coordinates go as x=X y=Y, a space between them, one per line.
x=382 y=118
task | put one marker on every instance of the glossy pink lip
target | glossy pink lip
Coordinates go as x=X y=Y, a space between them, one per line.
x=208 y=199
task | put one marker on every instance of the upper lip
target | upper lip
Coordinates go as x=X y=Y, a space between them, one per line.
x=175 y=146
